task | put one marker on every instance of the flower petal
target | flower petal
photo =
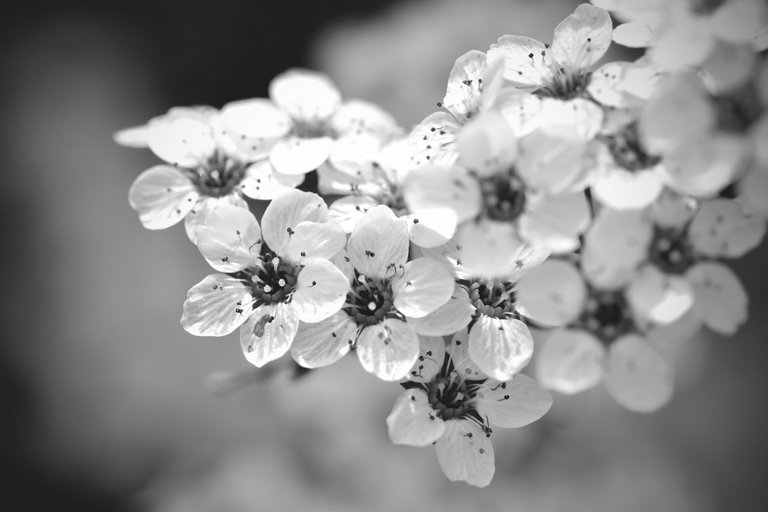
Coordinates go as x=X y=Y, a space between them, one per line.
x=424 y=286
x=720 y=299
x=737 y=21
x=452 y=316
x=704 y=168
x=582 y=38
x=465 y=453
x=638 y=375
x=133 y=137
x=262 y=181
x=412 y=421
x=555 y=222
x=321 y=289
x=432 y=226
x=378 y=247
x=513 y=404
x=526 y=61
x=286 y=211
x=634 y=34
x=314 y=240
x=356 y=116
x=183 y=137
x=204 y=207
x=298 y=155
x=430 y=360
x=487 y=145
x=721 y=229
x=553 y=293
x=307 y=96
x=753 y=192
x=268 y=333
x=216 y=306
x=685 y=45
x=323 y=343
x=434 y=187
x=230 y=239
x=388 y=349
x=433 y=141
x=458 y=351
x=658 y=297
x=465 y=85
x=570 y=361
x=162 y=196
x=500 y=347
x=254 y=125
x=673 y=210
x=631 y=190
x=347 y=211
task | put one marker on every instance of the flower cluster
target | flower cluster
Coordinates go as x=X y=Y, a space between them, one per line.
x=594 y=202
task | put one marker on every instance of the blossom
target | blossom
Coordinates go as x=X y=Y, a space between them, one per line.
x=449 y=403
x=205 y=168
x=386 y=290
x=271 y=278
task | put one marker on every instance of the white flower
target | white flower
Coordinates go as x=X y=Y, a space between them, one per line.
x=386 y=291
x=206 y=169
x=271 y=278
x=448 y=402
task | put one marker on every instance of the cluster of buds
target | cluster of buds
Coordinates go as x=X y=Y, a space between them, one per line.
x=594 y=203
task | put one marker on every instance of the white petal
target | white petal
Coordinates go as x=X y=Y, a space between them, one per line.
x=500 y=347
x=268 y=333
x=378 y=247
x=356 y=154
x=323 y=343
x=314 y=240
x=658 y=297
x=432 y=187
x=424 y=286
x=331 y=181
x=621 y=189
x=286 y=211
x=357 y=116
x=388 y=349
x=555 y=222
x=553 y=293
x=634 y=34
x=720 y=299
x=514 y=403
x=673 y=210
x=433 y=141
x=465 y=453
x=204 y=207
x=262 y=181
x=298 y=155
x=704 y=168
x=412 y=421
x=721 y=229
x=432 y=226
x=570 y=361
x=730 y=66
x=347 y=211
x=526 y=61
x=521 y=110
x=162 y=196
x=607 y=85
x=465 y=84
x=582 y=38
x=430 y=360
x=488 y=249
x=306 y=96
x=737 y=21
x=254 y=125
x=216 y=306
x=133 y=137
x=681 y=46
x=230 y=238
x=487 y=145
x=753 y=192
x=638 y=375
x=452 y=316
x=321 y=289
x=458 y=351
x=182 y=138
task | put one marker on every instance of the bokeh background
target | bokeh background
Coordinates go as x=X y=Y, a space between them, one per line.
x=104 y=402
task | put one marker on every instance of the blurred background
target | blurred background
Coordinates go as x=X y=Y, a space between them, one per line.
x=103 y=394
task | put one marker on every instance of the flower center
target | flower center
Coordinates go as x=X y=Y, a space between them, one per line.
x=607 y=315
x=738 y=110
x=702 y=7
x=566 y=85
x=274 y=280
x=310 y=130
x=671 y=251
x=493 y=298
x=219 y=176
x=503 y=196
x=449 y=396
x=369 y=301
x=628 y=151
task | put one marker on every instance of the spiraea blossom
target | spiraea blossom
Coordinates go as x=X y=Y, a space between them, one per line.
x=448 y=402
x=271 y=277
x=386 y=290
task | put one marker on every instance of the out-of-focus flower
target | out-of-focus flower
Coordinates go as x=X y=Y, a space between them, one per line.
x=387 y=289
x=272 y=278
x=450 y=403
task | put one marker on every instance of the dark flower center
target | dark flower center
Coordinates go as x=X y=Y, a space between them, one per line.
x=671 y=250
x=493 y=298
x=737 y=111
x=607 y=315
x=566 y=85
x=503 y=196
x=702 y=7
x=370 y=300
x=274 y=280
x=219 y=176
x=627 y=150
